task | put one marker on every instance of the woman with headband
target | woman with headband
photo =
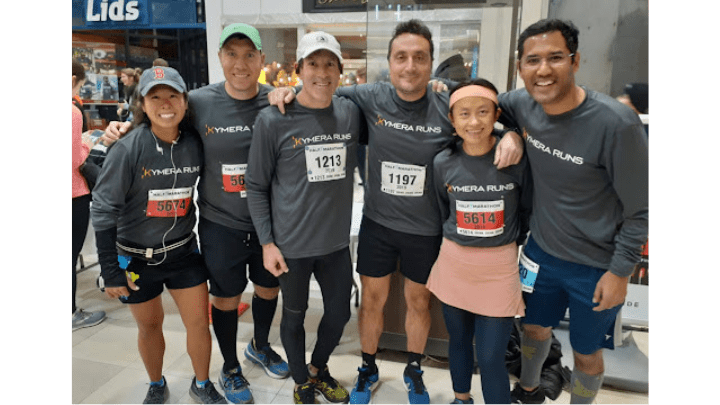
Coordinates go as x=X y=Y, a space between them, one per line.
x=485 y=213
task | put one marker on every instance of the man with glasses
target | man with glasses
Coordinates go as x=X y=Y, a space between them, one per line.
x=588 y=155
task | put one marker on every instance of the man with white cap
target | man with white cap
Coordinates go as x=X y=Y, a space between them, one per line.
x=300 y=186
x=223 y=113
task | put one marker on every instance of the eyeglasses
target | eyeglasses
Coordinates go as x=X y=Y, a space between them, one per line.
x=555 y=60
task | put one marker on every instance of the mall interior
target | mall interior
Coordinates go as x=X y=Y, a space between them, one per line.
x=472 y=39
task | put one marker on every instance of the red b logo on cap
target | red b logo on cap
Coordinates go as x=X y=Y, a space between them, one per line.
x=159 y=73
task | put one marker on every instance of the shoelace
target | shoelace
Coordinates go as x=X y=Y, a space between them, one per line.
x=306 y=392
x=211 y=392
x=324 y=376
x=238 y=380
x=363 y=378
x=271 y=355
x=416 y=378
x=156 y=391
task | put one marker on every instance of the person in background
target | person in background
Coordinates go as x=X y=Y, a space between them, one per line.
x=143 y=213
x=129 y=78
x=160 y=62
x=300 y=189
x=485 y=212
x=588 y=158
x=80 y=201
x=635 y=96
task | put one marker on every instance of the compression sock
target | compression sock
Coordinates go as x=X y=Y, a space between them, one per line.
x=368 y=361
x=414 y=359
x=225 y=327
x=263 y=312
x=534 y=353
x=583 y=387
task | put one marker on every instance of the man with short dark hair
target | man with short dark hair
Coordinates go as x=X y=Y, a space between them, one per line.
x=588 y=156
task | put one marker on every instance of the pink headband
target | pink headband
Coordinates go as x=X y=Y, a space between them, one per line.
x=473 y=91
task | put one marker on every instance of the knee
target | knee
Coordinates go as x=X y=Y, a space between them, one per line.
x=268 y=294
x=150 y=327
x=590 y=364
x=537 y=332
x=373 y=299
x=226 y=303
x=418 y=301
x=293 y=318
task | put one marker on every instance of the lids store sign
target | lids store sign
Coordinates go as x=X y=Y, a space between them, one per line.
x=101 y=11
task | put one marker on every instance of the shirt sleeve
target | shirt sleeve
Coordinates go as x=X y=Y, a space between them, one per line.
x=80 y=150
x=258 y=178
x=441 y=193
x=507 y=118
x=112 y=186
x=628 y=168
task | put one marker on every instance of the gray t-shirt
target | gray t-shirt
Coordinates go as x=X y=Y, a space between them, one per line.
x=225 y=127
x=135 y=189
x=481 y=206
x=590 y=175
x=403 y=139
x=300 y=177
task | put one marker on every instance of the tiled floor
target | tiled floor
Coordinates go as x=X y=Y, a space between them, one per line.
x=106 y=365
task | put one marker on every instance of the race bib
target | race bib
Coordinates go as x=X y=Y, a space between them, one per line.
x=325 y=162
x=528 y=273
x=233 y=177
x=402 y=180
x=482 y=219
x=169 y=202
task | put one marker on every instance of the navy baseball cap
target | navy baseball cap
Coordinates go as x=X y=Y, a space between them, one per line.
x=161 y=75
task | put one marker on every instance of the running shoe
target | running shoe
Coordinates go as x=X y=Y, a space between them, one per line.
x=270 y=361
x=207 y=394
x=83 y=319
x=417 y=394
x=463 y=401
x=329 y=387
x=235 y=386
x=157 y=394
x=365 y=383
x=304 y=394
x=520 y=396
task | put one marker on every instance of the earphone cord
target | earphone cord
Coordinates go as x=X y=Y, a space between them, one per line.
x=176 y=211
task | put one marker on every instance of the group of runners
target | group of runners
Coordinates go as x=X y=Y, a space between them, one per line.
x=448 y=201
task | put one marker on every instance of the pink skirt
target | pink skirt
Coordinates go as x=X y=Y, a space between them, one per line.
x=484 y=281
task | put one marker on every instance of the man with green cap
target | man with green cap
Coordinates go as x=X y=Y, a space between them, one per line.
x=223 y=114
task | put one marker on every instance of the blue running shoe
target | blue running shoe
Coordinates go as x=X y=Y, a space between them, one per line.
x=271 y=362
x=417 y=394
x=463 y=401
x=235 y=386
x=365 y=383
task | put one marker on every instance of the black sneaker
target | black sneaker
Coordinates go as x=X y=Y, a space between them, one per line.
x=207 y=394
x=520 y=396
x=304 y=394
x=329 y=387
x=157 y=394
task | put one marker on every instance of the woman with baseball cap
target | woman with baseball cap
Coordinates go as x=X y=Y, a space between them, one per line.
x=143 y=213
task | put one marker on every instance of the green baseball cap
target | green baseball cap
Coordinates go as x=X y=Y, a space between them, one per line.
x=241 y=29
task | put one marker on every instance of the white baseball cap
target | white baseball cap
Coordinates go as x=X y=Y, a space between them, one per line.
x=316 y=41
